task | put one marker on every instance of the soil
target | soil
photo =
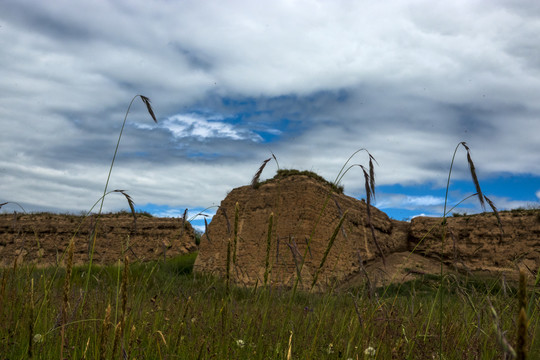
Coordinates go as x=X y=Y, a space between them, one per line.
x=306 y=213
x=305 y=216
x=42 y=239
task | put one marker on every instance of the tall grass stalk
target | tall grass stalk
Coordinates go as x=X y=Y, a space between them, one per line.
x=148 y=105
x=235 y=239
x=523 y=321
x=328 y=248
x=65 y=296
x=268 y=248
x=104 y=333
x=481 y=199
x=31 y=320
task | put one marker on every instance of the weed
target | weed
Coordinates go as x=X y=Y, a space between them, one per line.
x=284 y=173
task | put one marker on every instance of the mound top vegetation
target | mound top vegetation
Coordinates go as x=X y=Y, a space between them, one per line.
x=284 y=173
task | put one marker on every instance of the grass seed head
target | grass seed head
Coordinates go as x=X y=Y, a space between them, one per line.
x=146 y=102
x=474 y=177
x=255 y=180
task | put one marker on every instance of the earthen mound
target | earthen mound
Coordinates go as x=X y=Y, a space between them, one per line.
x=306 y=212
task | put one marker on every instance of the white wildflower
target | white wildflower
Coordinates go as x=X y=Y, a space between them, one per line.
x=240 y=343
x=369 y=351
x=330 y=349
x=38 y=338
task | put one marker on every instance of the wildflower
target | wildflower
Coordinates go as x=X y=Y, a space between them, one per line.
x=38 y=338
x=240 y=343
x=369 y=351
x=330 y=349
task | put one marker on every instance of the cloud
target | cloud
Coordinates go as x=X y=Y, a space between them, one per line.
x=191 y=215
x=424 y=200
x=409 y=202
x=197 y=126
x=232 y=82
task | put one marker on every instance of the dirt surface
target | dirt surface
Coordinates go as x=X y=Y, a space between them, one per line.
x=305 y=211
x=42 y=238
x=476 y=242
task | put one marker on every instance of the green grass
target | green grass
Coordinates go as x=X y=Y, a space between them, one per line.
x=283 y=173
x=173 y=313
x=162 y=310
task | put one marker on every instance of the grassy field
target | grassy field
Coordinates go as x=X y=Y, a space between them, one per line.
x=161 y=310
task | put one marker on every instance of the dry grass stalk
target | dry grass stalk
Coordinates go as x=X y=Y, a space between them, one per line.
x=31 y=320
x=296 y=255
x=268 y=246
x=228 y=269
x=119 y=329
x=275 y=159
x=206 y=232
x=184 y=218
x=501 y=335
x=65 y=295
x=369 y=184
x=289 y=351
x=227 y=220
x=117 y=334
x=86 y=348
x=255 y=180
x=473 y=176
x=183 y=322
x=357 y=309
x=123 y=290
x=236 y=220
x=104 y=330
x=3 y=287
x=372 y=175
x=131 y=204
x=146 y=102
x=521 y=343
x=328 y=247
x=496 y=212
x=201 y=349
x=132 y=338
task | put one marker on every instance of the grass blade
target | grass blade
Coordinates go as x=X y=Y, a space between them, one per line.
x=328 y=248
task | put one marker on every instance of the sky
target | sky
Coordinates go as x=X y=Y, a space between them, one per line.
x=233 y=82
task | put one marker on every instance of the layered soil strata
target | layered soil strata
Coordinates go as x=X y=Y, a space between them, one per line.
x=306 y=213
x=43 y=238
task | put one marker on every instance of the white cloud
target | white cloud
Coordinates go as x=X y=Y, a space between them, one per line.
x=401 y=201
x=422 y=201
x=197 y=126
x=407 y=81
x=538 y=195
